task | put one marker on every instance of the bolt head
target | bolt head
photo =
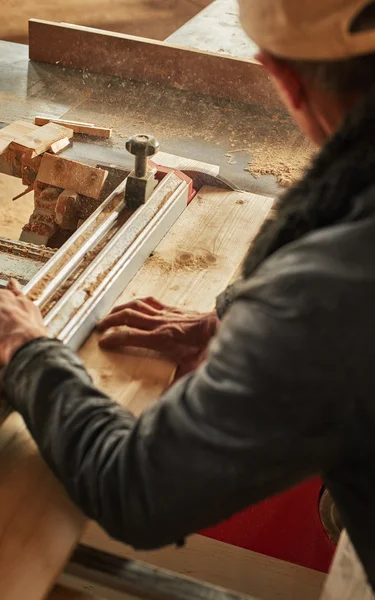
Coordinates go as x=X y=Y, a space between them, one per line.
x=142 y=145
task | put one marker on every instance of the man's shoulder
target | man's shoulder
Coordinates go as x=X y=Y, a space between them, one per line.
x=324 y=270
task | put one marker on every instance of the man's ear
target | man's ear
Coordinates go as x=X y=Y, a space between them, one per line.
x=286 y=78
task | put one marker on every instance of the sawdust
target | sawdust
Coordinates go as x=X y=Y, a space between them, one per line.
x=183 y=261
x=286 y=165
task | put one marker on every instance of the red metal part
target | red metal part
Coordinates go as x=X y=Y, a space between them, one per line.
x=287 y=527
x=162 y=171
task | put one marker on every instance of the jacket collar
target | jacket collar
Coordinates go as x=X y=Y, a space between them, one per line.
x=329 y=191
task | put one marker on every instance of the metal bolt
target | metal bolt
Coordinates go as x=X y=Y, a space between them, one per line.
x=142 y=146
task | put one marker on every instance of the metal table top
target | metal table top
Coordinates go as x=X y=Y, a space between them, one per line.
x=196 y=126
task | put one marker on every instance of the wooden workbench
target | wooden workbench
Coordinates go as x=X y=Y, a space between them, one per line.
x=221 y=224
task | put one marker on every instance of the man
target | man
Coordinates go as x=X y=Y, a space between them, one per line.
x=286 y=389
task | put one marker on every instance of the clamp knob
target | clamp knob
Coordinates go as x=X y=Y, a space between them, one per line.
x=142 y=146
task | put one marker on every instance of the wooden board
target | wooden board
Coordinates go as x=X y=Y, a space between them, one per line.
x=13 y=131
x=83 y=128
x=37 y=139
x=60 y=593
x=130 y=57
x=38 y=525
x=347 y=579
x=68 y=174
x=213 y=235
x=224 y=565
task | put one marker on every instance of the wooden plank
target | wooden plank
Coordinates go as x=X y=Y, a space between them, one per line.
x=17 y=129
x=14 y=131
x=224 y=565
x=39 y=527
x=130 y=57
x=83 y=128
x=41 y=140
x=347 y=579
x=212 y=237
x=60 y=593
x=59 y=146
x=28 y=135
x=75 y=176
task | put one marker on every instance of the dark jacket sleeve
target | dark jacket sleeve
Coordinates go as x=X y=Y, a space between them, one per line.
x=259 y=416
x=227 y=297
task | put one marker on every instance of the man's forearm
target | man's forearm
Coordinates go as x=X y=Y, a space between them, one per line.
x=120 y=471
x=226 y=436
x=75 y=426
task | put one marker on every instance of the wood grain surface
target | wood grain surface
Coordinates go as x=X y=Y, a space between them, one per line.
x=347 y=579
x=68 y=174
x=224 y=565
x=39 y=527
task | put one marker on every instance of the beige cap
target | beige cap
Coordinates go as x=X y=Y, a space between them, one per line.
x=307 y=29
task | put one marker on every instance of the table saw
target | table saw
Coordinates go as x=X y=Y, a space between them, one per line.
x=180 y=236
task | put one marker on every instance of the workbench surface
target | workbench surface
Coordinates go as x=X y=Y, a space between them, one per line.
x=196 y=126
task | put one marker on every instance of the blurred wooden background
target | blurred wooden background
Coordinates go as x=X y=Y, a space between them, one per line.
x=149 y=18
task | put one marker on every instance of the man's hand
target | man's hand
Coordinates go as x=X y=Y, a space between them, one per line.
x=20 y=321
x=180 y=336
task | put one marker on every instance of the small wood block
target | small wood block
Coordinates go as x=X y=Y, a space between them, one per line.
x=77 y=127
x=37 y=233
x=37 y=139
x=42 y=139
x=13 y=131
x=75 y=176
x=60 y=145
x=66 y=210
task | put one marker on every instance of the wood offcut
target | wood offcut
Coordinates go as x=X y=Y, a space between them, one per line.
x=37 y=139
x=68 y=174
x=77 y=127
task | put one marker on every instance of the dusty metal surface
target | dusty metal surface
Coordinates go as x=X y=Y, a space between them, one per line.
x=199 y=127
x=216 y=29
x=21 y=261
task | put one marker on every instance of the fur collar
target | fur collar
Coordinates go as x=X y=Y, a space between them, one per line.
x=328 y=192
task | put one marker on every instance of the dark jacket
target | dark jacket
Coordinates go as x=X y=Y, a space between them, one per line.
x=287 y=390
